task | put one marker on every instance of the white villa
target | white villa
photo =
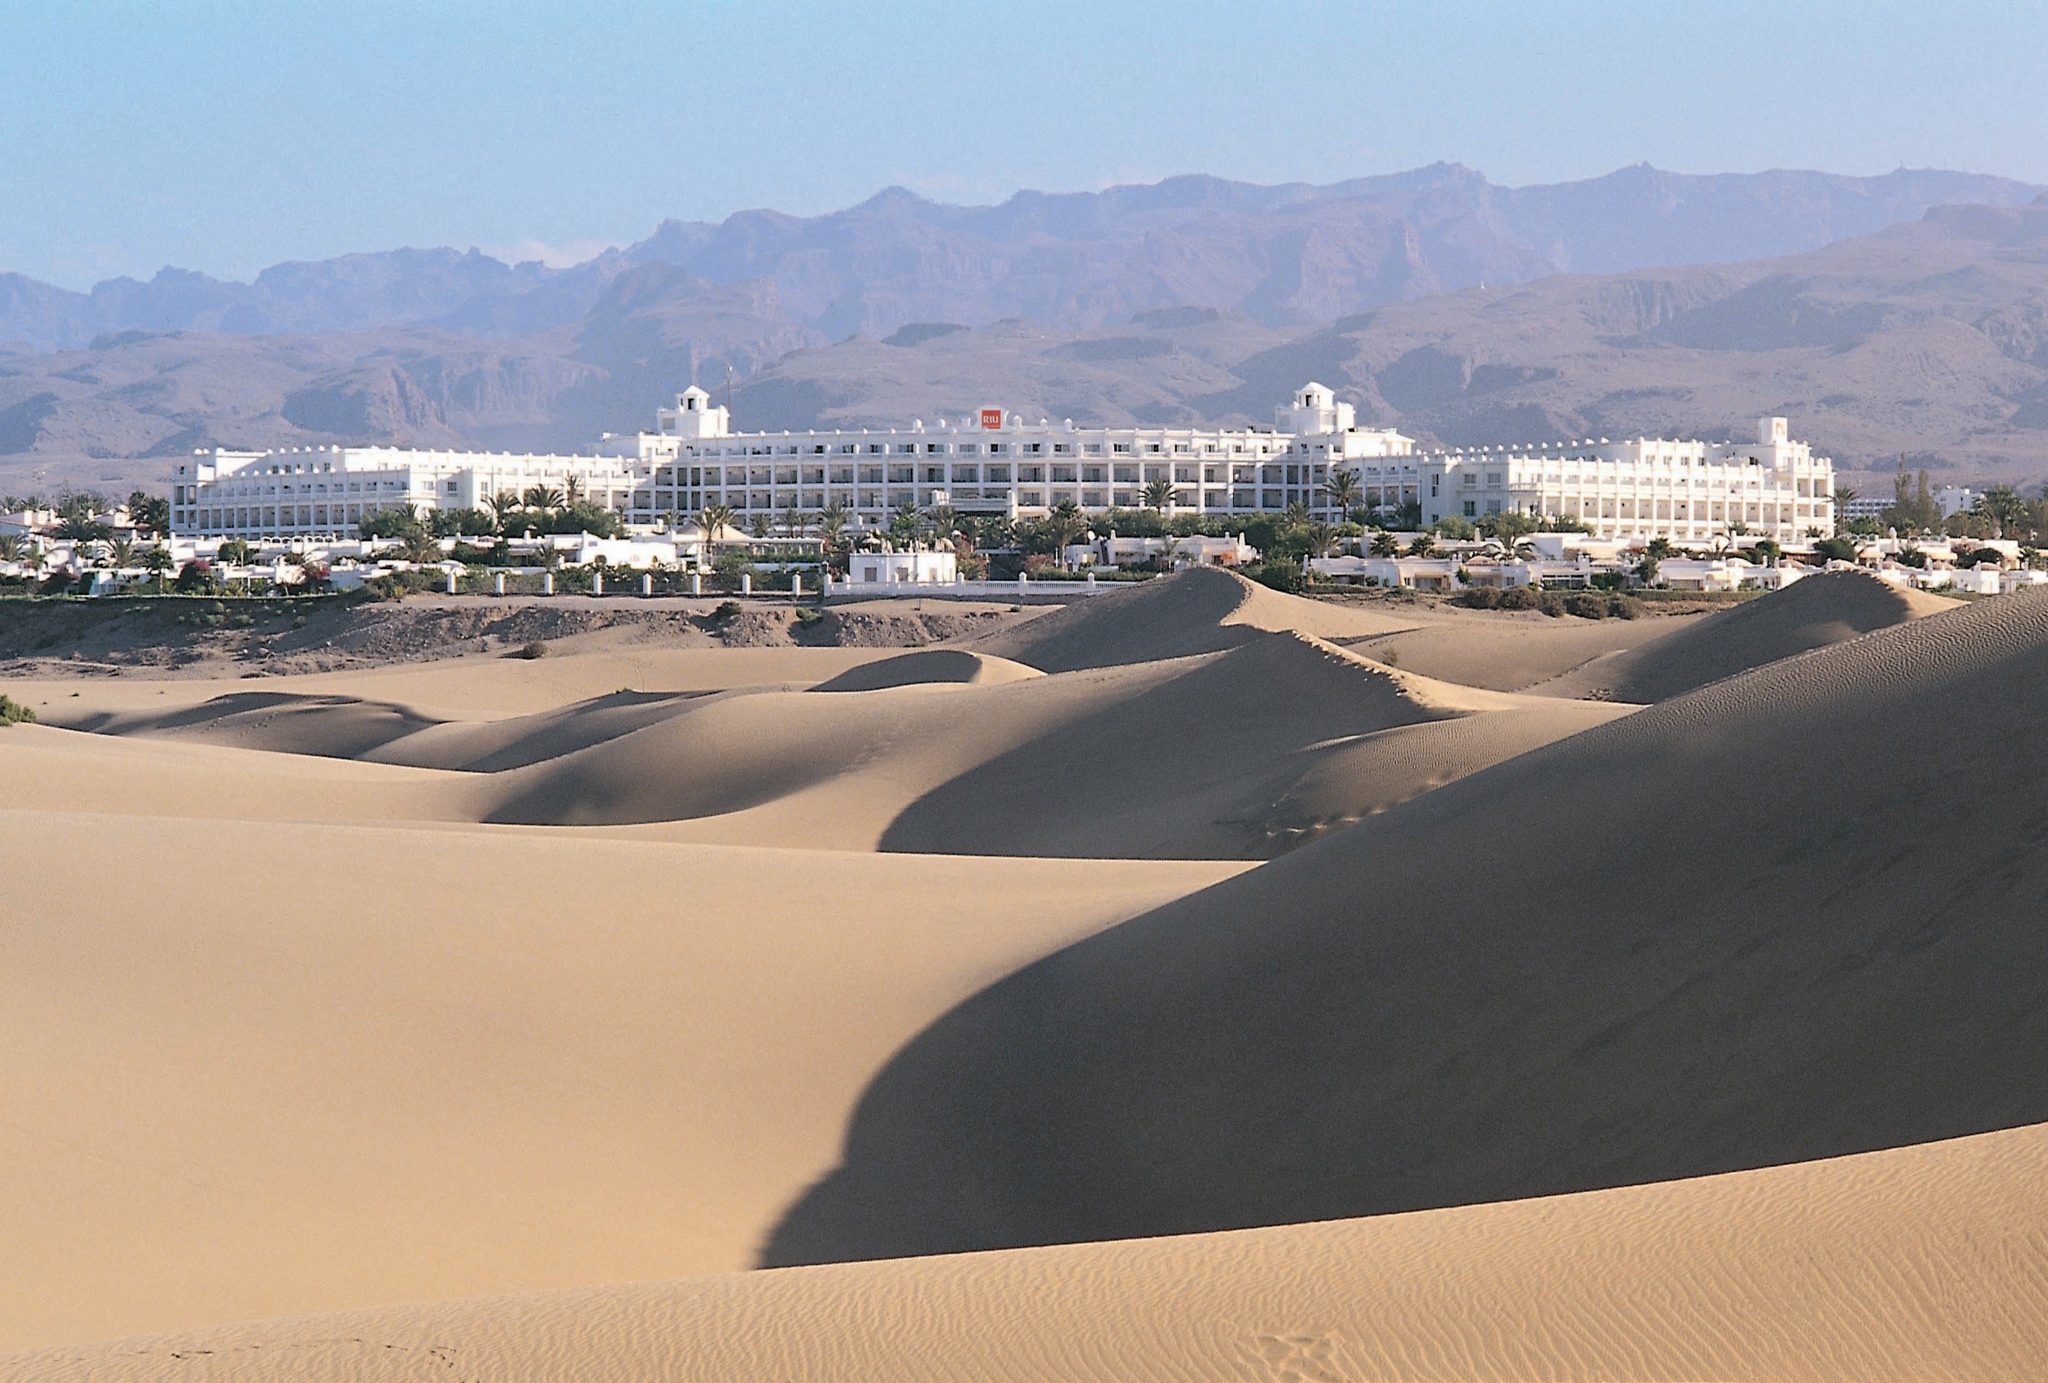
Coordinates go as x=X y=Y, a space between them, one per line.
x=997 y=462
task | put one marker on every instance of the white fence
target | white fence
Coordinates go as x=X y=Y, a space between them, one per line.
x=966 y=590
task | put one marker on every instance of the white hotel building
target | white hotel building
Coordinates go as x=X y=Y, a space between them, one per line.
x=995 y=462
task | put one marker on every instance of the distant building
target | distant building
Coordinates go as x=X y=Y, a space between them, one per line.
x=994 y=462
x=940 y=567
x=1688 y=492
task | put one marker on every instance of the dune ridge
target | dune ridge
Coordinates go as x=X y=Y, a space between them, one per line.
x=1203 y=610
x=1813 y=612
x=948 y=665
x=504 y=976
x=1482 y=994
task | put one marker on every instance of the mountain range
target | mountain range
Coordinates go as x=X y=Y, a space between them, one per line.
x=1902 y=314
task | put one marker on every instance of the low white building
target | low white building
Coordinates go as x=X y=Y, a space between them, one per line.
x=1689 y=492
x=940 y=567
x=1200 y=550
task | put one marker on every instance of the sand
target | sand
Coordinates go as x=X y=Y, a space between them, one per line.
x=941 y=751
x=1792 y=915
x=468 y=979
x=392 y=1065
x=1926 y=1262
x=1815 y=612
x=1201 y=611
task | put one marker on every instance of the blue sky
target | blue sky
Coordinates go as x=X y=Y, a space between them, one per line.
x=227 y=136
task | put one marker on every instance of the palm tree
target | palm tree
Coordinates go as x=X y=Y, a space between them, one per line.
x=11 y=546
x=714 y=519
x=1344 y=491
x=1422 y=546
x=157 y=560
x=501 y=505
x=421 y=547
x=994 y=530
x=121 y=553
x=1844 y=497
x=906 y=523
x=1385 y=544
x=1320 y=537
x=832 y=524
x=2002 y=505
x=1160 y=495
x=942 y=521
x=1296 y=514
x=545 y=498
x=1064 y=522
x=572 y=491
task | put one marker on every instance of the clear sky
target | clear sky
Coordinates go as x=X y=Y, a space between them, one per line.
x=227 y=136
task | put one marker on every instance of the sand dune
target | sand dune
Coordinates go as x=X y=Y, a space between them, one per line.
x=388 y=1064
x=471 y=687
x=55 y=770
x=1195 y=757
x=1927 y=1262
x=1789 y=916
x=1236 y=754
x=1204 y=610
x=929 y=665
x=489 y=975
x=1514 y=652
x=1811 y=613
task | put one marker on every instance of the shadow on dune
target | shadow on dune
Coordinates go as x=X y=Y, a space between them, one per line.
x=1189 y=767
x=1793 y=915
x=336 y=727
x=1200 y=610
x=1812 y=613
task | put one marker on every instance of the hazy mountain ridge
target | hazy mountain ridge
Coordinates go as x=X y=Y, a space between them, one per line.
x=1929 y=338
x=1285 y=254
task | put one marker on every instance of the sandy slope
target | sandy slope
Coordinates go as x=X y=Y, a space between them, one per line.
x=1514 y=652
x=1199 y=611
x=1229 y=755
x=1812 y=613
x=393 y=1065
x=1234 y=754
x=291 y=1033
x=472 y=687
x=1792 y=915
x=1925 y=1262
x=929 y=665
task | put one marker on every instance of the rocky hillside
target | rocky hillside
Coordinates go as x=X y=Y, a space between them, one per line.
x=1442 y=304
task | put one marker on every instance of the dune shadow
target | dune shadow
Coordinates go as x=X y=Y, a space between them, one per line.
x=1624 y=957
x=1189 y=766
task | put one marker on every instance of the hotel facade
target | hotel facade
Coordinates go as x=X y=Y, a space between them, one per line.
x=994 y=462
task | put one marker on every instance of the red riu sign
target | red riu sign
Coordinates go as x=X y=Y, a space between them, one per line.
x=992 y=418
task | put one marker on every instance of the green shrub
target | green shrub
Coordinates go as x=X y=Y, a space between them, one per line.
x=12 y=712
x=1280 y=576
x=1586 y=605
